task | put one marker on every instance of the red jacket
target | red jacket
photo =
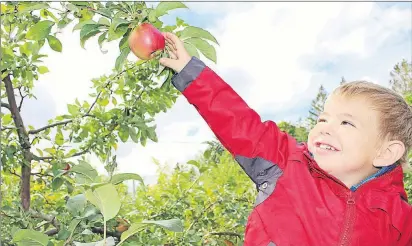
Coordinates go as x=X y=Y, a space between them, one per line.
x=297 y=203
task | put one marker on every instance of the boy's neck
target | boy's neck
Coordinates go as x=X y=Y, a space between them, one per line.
x=381 y=171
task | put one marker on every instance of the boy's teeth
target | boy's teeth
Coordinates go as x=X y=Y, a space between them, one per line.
x=325 y=146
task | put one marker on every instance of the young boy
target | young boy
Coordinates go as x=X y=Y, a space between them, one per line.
x=343 y=187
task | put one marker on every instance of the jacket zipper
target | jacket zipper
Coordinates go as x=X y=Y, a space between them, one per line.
x=349 y=220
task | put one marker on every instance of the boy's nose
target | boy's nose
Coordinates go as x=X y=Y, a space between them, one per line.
x=327 y=129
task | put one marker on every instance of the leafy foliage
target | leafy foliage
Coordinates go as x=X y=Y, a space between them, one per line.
x=300 y=133
x=61 y=198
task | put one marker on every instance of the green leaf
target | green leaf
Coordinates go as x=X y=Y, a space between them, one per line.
x=40 y=30
x=76 y=204
x=104 y=21
x=103 y=101
x=171 y=225
x=57 y=183
x=73 y=224
x=80 y=25
x=124 y=42
x=101 y=39
x=29 y=237
x=88 y=31
x=43 y=69
x=163 y=7
x=106 y=199
x=105 y=12
x=122 y=57
x=153 y=16
x=7 y=119
x=54 y=43
x=117 y=22
x=124 y=133
x=151 y=134
x=133 y=134
x=120 y=177
x=85 y=169
x=26 y=48
x=133 y=229
x=191 y=49
x=45 y=13
x=73 y=109
x=59 y=139
x=204 y=47
x=116 y=34
x=197 y=32
x=80 y=3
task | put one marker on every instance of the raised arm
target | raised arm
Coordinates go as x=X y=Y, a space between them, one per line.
x=257 y=146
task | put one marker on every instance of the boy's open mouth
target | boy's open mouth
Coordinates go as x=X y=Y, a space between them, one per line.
x=325 y=146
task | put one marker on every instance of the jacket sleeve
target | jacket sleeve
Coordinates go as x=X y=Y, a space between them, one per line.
x=256 y=145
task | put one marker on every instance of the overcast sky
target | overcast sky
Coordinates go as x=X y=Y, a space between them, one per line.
x=274 y=54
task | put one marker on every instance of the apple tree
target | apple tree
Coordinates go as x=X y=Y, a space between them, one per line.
x=51 y=194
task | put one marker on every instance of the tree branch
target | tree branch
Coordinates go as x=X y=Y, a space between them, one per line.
x=52 y=232
x=5 y=105
x=24 y=143
x=8 y=128
x=50 y=126
x=57 y=124
x=41 y=174
x=46 y=158
x=108 y=233
x=14 y=173
x=51 y=219
x=22 y=98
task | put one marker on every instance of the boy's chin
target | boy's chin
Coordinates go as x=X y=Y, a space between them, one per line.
x=328 y=166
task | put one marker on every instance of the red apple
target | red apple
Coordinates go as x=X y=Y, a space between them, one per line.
x=144 y=40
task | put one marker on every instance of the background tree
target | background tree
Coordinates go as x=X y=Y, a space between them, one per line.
x=60 y=197
x=316 y=107
x=343 y=80
x=300 y=133
x=401 y=77
x=401 y=82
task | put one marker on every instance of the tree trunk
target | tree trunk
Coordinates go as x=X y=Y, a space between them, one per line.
x=25 y=180
x=24 y=143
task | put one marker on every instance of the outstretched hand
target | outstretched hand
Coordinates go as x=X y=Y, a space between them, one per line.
x=179 y=57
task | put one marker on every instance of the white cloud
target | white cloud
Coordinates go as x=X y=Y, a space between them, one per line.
x=268 y=52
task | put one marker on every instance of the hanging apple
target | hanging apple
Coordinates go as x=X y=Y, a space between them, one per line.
x=144 y=40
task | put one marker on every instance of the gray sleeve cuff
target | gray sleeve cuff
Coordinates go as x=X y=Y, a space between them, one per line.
x=189 y=73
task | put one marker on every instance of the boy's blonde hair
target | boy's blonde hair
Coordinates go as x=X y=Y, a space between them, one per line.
x=395 y=113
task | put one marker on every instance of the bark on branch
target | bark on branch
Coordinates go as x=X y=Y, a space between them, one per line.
x=24 y=143
x=51 y=219
x=50 y=126
x=46 y=158
x=108 y=233
x=5 y=105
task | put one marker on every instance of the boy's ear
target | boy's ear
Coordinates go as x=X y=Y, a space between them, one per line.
x=390 y=153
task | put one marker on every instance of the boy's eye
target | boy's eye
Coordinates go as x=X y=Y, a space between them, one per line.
x=321 y=120
x=347 y=123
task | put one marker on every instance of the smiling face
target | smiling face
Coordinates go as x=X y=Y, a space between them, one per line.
x=344 y=141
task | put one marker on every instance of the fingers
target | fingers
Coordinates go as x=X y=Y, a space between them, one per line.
x=174 y=40
x=172 y=52
x=167 y=62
